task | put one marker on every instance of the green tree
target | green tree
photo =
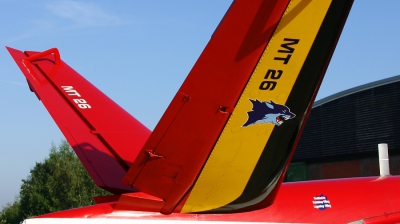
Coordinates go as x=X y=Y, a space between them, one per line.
x=10 y=213
x=59 y=182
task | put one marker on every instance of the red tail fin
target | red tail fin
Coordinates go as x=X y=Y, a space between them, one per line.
x=221 y=143
x=106 y=147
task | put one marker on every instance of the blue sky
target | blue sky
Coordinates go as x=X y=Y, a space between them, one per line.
x=139 y=53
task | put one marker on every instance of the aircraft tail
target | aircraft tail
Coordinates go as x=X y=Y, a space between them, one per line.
x=227 y=138
x=105 y=137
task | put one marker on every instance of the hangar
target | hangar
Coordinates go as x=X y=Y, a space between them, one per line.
x=342 y=133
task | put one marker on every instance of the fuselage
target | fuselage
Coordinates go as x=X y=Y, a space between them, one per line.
x=324 y=201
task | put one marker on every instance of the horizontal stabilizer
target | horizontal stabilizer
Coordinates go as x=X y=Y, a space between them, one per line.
x=105 y=137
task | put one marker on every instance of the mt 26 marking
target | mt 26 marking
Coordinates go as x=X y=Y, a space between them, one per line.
x=82 y=103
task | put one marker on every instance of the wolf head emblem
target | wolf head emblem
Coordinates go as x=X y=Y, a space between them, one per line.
x=268 y=112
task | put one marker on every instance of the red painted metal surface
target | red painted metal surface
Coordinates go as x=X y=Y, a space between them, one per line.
x=139 y=201
x=191 y=125
x=106 y=147
x=168 y=163
x=373 y=199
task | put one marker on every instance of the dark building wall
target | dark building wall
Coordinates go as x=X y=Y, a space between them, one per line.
x=352 y=125
x=362 y=167
x=342 y=133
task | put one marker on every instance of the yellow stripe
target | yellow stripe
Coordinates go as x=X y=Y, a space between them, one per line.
x=238 y=149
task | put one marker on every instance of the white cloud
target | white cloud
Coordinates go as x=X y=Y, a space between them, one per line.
x=66 y=15
x=83 y=14
x=12 y=82
x=37 y=27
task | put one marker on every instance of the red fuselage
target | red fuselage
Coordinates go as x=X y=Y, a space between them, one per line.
x=371 y=199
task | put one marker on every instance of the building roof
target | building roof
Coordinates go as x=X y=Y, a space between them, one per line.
x=356 y=89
